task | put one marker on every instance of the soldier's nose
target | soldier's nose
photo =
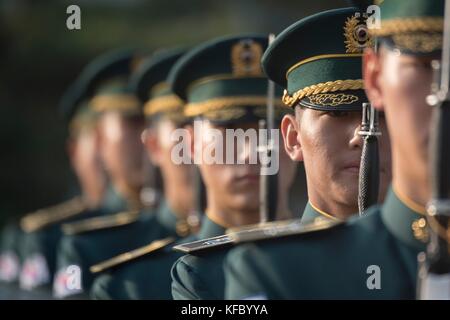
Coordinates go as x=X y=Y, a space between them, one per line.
x=356 y=140
x=247 y=152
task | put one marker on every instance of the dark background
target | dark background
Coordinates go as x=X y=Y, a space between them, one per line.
x=39 y=57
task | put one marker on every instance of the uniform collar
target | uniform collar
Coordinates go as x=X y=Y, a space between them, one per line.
x=172 y=222
x=210 y=228
x=166 y=217
x=311 y=212
x=113 y=202
x=404 y=221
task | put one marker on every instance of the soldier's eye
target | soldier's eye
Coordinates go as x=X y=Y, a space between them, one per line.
x=426 y=65
x=419 y=64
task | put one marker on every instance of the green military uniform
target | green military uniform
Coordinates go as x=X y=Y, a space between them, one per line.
x=42 y=232
x=93 y=241
x=145 y=273
x=90 y=244
x=28 y=248
x=222 y=81
x=372 y=257
x=10 y=264
x=312 y=213
x=148 y=276
x=10 y=253
x=333 y=263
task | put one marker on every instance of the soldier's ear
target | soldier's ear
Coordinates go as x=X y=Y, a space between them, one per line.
x=150 y=140
x=290 y=129
x=372 y=78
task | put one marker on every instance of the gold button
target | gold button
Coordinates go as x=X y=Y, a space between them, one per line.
x=420 y=230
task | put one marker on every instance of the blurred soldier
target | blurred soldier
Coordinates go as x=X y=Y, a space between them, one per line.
x=375 y=256
x=121 y=123
x=127 y=276
x=103 y=83
x=42 y=228
x=222 y=82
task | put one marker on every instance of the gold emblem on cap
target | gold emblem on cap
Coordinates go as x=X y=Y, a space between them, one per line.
x=246 y=58
x=356 y=34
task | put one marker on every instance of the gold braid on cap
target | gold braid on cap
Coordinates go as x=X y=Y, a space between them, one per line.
x=419 y=42
x=162 y=104
x=408 y=25
x=330 y=86
x=115 y=102
x=198 y=108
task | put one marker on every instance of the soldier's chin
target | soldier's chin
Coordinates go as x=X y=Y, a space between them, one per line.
x=348 y=194
x=246 y=203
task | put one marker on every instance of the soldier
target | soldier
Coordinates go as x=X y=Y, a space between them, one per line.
x=43 y=228
x=121 y=124
x=375 y=256
x=127 y=276
x=40 y=230
x=118 y=127
x=223 y=85
x=324 y=132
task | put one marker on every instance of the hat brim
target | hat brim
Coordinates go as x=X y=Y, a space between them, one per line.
x=349 y=100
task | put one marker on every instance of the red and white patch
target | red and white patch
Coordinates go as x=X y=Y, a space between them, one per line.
x=9 y=266
x=34 y=272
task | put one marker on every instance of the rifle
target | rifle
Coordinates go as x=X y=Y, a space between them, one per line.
x=269 y=183
x=369 y=169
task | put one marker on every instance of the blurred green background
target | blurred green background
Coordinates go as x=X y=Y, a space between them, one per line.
x=40 y=57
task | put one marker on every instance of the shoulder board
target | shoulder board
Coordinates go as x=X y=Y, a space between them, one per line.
x=45 y=217
x=269 y=230
x=279 y=229
x=100 y=223
x=131 y=255
x=204 y=244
